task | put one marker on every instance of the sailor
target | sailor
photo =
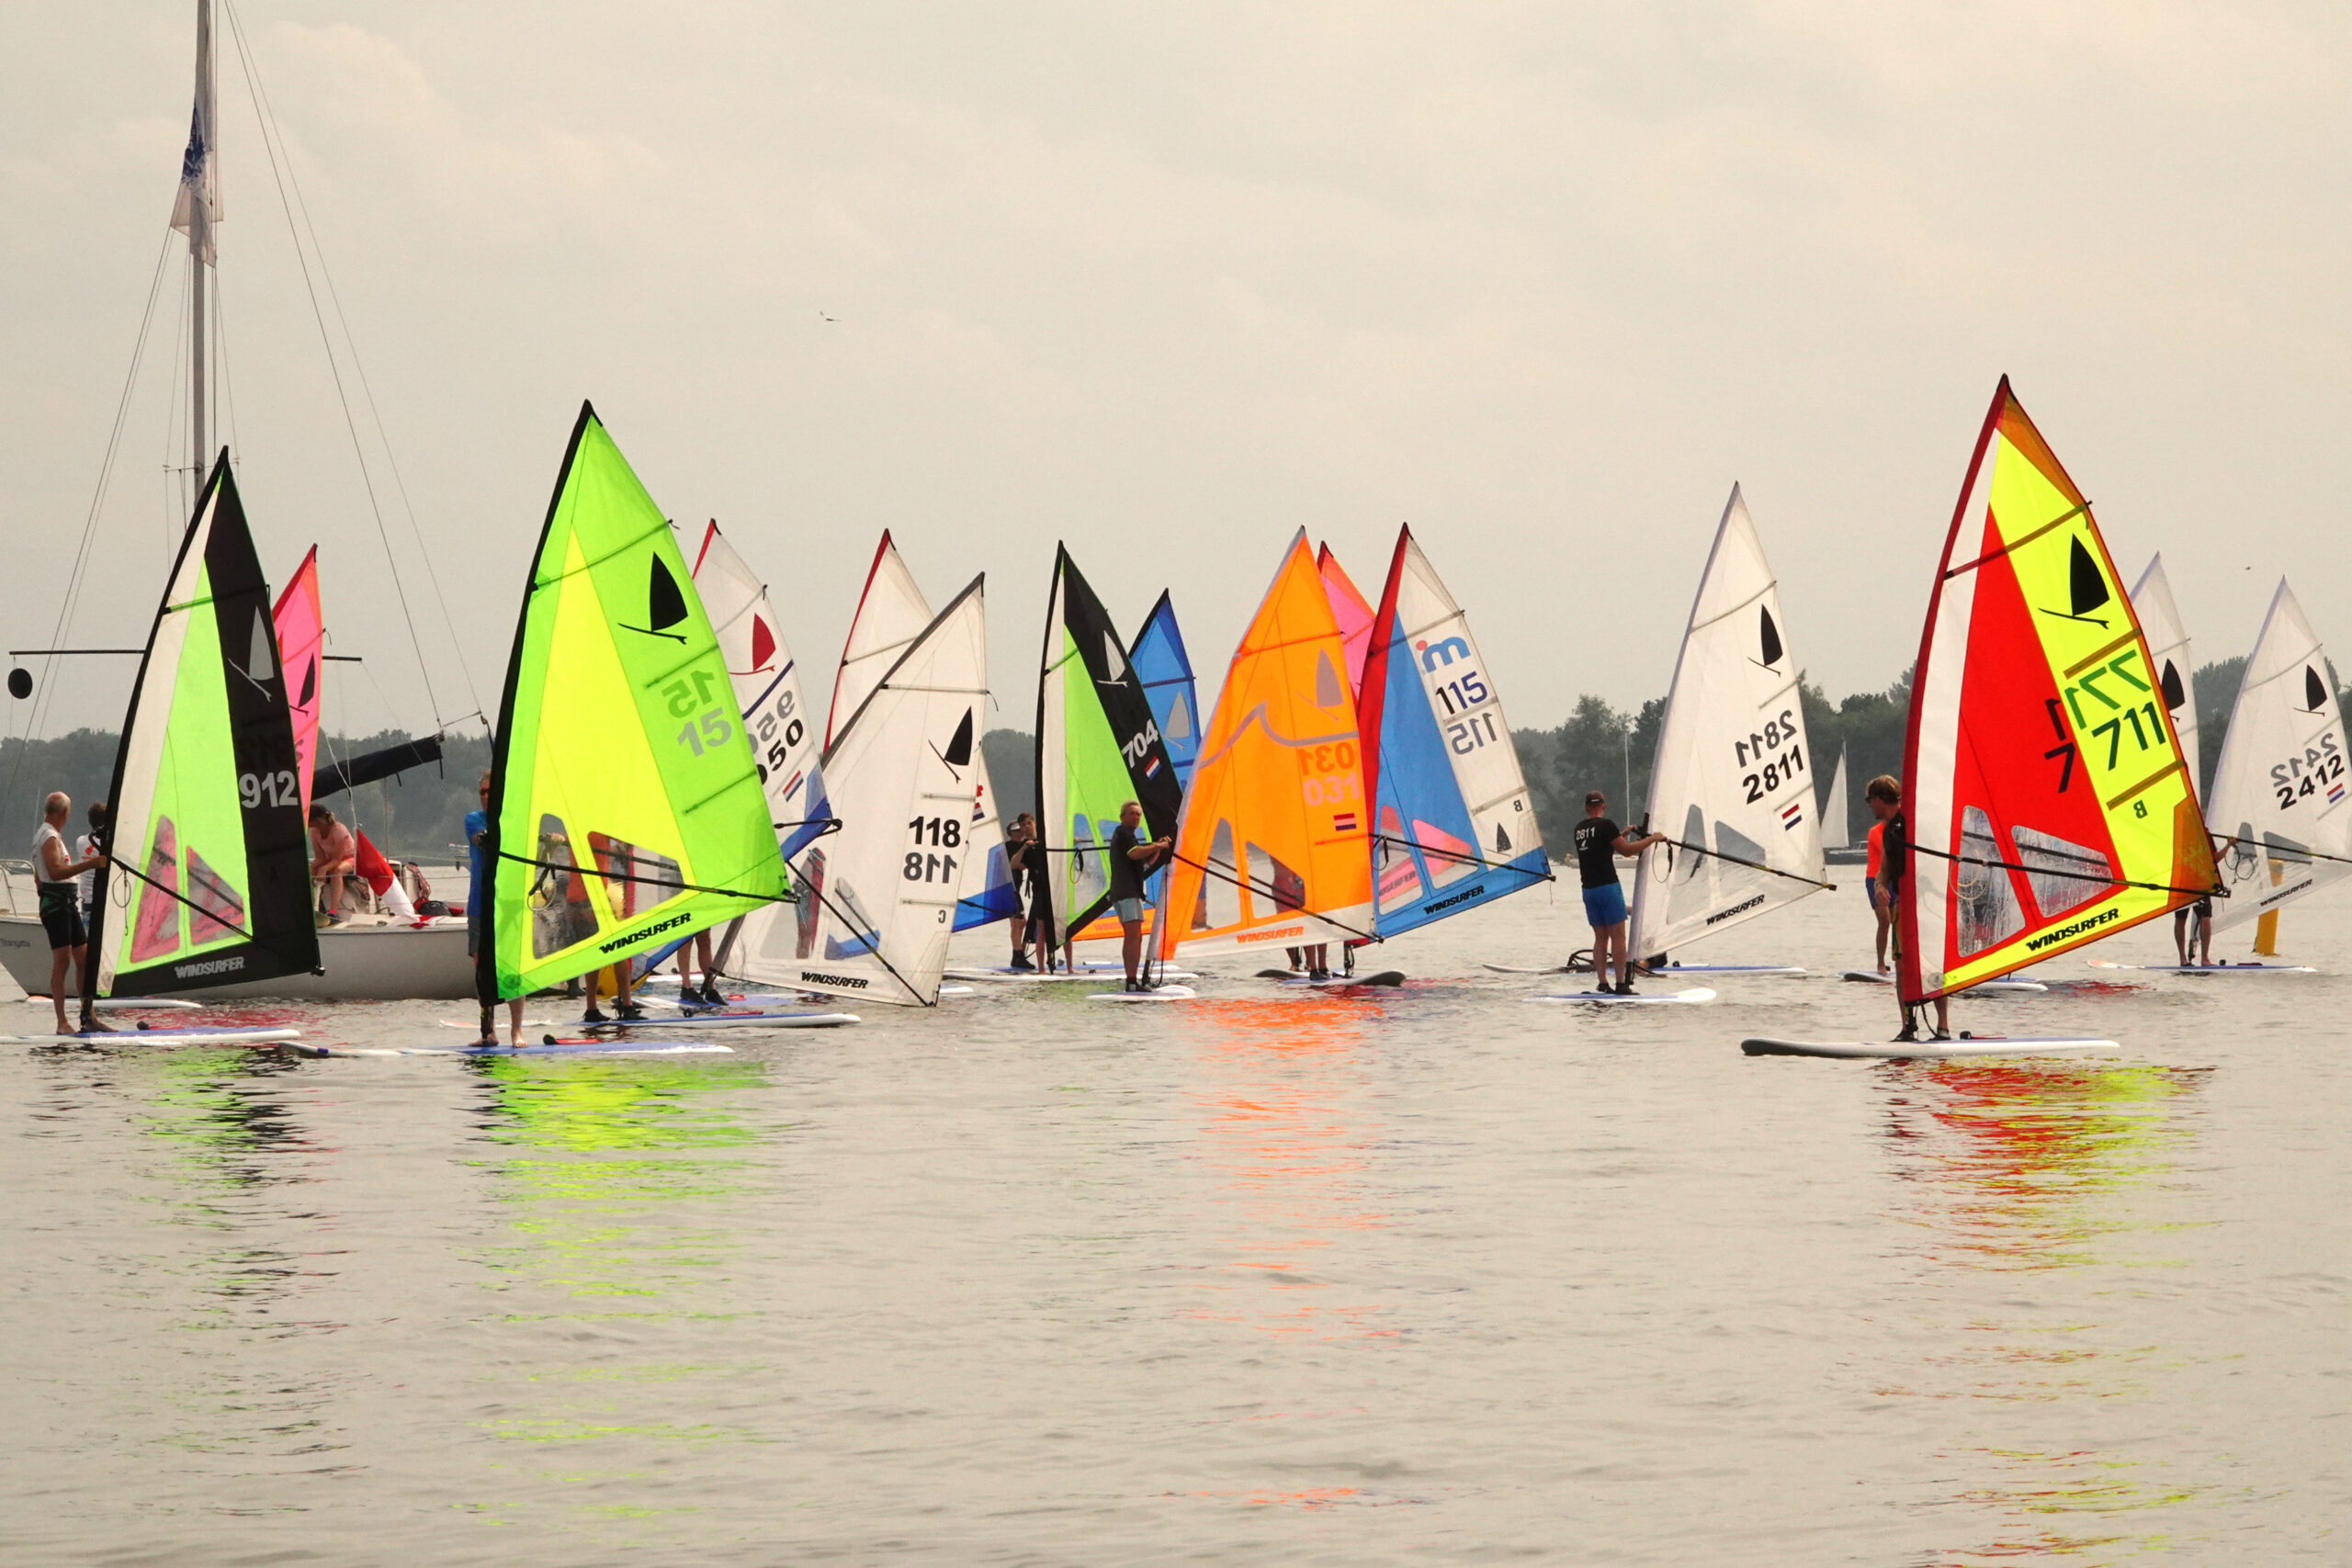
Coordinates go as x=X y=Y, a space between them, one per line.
x=2200 y=918
x=92 y=845
x=1132 y=859
x=1018 y=839
x=1031 y=865
x=1884 y=911
x=1884 y=797
x=334 y=857
x=1598 y=843
x=60 y=909
x=478 y=929
x=697 y=947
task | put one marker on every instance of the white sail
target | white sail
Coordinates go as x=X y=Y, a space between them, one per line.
x=2279 y=788
x=890 y=615
x=2168 y=646
x=1732 y=778
x=766 y=681
x=877 y=899
x=1834 y=815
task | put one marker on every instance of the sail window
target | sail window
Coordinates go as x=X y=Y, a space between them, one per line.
x=2062 y=874
x=1985 y=904
x=562 y=915
x=220 y=910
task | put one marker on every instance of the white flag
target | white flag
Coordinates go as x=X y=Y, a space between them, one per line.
x=199 y=173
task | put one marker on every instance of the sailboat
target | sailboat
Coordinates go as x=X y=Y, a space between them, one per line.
x=207 y=885
x=2050 y=802
x=2160 y=620
x=1731 y=786
x=1097 y=746
x=626 y=808
x=1838 y=846
x=1452 y=825
x=1166 y=670
x=1350 y=609
x=1275 y=847
x=2278 y=787
x=891 y=614
x=877 y=901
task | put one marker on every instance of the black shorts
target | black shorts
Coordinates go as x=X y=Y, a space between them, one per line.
x=61 y=914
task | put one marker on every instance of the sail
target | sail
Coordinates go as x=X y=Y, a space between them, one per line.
x=626 y=809
x=2168 y=646
x=1274 y=848
x=1837 y=812
x=877 y=899
x=1731 y=785
x=1351 y=611
x=2278 y=787
x=1166 y=670
x=1452 y=825
x=2046 y=797
x=891 y=612
x=1098 y=747
x=209 y=880
x=767 y=685
x=302 y=632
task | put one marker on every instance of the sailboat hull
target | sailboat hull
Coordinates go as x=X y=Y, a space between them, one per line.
x=363 y=963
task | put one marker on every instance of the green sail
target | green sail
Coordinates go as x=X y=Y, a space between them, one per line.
x=626 y=808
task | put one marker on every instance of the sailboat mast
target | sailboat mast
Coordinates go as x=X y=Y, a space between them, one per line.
x=199 y=241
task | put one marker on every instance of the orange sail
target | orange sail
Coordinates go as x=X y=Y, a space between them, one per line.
x=1274 y=848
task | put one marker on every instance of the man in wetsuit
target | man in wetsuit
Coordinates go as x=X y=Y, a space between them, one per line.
x=1598 y=843
x=1884 y=797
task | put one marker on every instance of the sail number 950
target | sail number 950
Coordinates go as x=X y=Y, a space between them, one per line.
x=1328 y=773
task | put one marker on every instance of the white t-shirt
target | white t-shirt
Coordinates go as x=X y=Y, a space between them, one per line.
x=41 y=836
x=83 y=847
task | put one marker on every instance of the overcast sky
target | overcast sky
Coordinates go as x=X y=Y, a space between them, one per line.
x=1171 y=282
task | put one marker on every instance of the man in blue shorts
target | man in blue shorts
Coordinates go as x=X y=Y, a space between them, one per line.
x=1132 y=859
x=1598 y=843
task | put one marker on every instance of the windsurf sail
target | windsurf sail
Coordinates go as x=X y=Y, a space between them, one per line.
x=1274 y=849
x=2168 y=646
x=301 y=634
x=1453 y=827
x=1166 y=670
x=207 y=880
x=626 y=809
x=877 y=899
x=1351 y=611
x=1098 y=747
x=2047 y=801
x=1732 y=783
x=784 y=745
x=1837 y=832
x=2284 y=826
x=893 y=613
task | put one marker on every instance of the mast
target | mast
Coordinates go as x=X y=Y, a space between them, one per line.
x=200 y=232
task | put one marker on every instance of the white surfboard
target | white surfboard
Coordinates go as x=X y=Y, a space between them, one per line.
x=1667 y=972
x=221 y=1036
x=1610 y=998
x=561 y=1048
x=1094 y=972
x=1928 y=1050
x=1986 y=987
x=124 y=1004
x=2209 y=968
x=722 y=1018
x=1156 y=994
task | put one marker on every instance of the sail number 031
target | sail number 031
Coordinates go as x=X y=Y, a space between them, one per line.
x=1762 y=750
x=1328 y=773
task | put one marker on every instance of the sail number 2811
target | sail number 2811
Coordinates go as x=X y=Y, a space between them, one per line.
x=1763 y=751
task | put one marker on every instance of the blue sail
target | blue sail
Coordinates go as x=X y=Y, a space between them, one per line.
x=1452 y=825
x=1158 y=658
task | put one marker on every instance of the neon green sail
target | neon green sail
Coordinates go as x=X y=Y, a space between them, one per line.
x=626 y=808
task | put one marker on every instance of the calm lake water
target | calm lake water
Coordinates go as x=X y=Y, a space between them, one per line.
x=1278 y=1277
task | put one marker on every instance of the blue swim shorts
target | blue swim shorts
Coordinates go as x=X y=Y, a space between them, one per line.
x=1605 y=905
x=1128 y=909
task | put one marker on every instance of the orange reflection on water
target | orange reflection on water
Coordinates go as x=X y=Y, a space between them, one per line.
x=1284 y=1127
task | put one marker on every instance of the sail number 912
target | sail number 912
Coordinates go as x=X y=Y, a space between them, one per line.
x=1764 y=751
x=268 y=789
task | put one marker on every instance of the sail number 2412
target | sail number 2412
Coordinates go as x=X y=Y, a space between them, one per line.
x=1774 y=753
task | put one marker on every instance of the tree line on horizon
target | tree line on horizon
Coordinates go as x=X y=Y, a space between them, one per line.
x=421 y=814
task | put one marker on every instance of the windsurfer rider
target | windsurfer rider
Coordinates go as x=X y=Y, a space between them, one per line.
x=55 y=876
x=2201 y=914
x=478 y=930
x=1598 y=843
x=1132 y=859
x=1884 y=797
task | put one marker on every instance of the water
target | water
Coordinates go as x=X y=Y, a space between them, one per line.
x=1297 y=1278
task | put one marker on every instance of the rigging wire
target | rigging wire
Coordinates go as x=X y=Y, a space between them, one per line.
x=280 y=173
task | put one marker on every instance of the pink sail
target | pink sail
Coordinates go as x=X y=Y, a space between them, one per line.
x=301 y=634
x=1348 y=608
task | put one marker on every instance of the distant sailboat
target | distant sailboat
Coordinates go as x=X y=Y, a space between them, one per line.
x=1836 y=834
x=2280 y=802
x=1732 y=785
x=2047 y=797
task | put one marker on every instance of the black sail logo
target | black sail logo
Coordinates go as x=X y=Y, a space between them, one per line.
x=1769 y=637
x=2087 y=588
x=665 y=607
x=2314 y=691
x=959 y=750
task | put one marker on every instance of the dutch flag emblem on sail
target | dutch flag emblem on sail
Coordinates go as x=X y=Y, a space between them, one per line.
x=1792 y=817
x=1151 y=768
x=1343 y=822
x=2335 y=793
